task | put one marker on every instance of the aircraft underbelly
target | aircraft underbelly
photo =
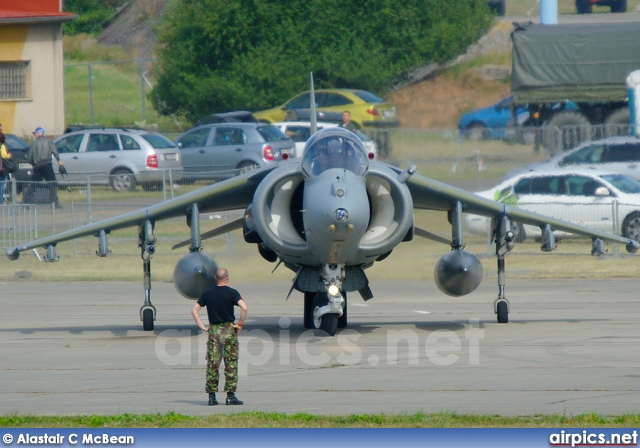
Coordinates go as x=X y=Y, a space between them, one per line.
x=336 y=216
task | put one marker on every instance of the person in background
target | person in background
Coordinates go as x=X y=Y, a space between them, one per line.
x=5 y=154
x=347 y=123
x=39 y=155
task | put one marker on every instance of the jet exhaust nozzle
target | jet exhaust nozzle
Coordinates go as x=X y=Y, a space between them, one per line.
x=458 y=273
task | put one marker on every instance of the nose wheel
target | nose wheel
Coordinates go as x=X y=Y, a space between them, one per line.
x=502 y=311
x=327 y=322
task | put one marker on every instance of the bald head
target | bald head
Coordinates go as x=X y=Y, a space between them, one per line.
x=222 y=276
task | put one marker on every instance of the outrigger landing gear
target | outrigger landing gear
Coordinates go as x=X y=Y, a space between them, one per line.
x=505 y=241
x=501 y=304
x=146 y=241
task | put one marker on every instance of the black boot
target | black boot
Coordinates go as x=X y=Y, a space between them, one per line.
x=232 y=399
x=212 y=400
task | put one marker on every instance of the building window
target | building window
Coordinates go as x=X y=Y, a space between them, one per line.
x=13 y=80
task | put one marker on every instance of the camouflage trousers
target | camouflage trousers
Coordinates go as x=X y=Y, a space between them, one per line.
x=222 y=345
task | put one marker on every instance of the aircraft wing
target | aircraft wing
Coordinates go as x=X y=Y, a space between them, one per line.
x=429 y=194
x=231 y=194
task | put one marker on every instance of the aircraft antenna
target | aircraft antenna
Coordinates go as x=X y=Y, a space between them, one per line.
x=312 y=100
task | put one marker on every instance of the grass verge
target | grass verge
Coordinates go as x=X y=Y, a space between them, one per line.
x=303 y=420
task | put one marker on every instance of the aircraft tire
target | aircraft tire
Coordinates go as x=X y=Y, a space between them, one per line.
x=308 y=309
x=503 y=312
x=147 y=320
x=327 y=324
x=342 y=320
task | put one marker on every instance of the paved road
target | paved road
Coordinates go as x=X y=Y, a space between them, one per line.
x=571 y=347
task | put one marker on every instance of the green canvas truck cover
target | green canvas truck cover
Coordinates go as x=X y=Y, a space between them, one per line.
x=576 y=62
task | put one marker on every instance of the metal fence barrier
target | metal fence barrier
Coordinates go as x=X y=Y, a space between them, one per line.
x=447 y=155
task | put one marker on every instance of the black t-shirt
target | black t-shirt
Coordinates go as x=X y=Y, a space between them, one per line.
x=219 y=302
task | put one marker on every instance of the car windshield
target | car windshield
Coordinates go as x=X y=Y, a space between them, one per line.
x=368 y=97
x=14 y=142
x=158 y=141
x=271 y=133
x=334 y=148
x=623 y=183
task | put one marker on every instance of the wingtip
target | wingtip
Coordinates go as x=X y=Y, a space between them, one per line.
x=13 y=253
x=633 y=247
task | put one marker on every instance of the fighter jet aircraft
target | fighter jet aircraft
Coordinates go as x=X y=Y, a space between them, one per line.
x=327 y=216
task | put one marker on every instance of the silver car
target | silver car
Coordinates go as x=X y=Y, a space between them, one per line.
x=229 y=148
x=123 y=158
x=620 y=154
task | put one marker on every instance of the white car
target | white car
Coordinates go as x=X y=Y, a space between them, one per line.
x=299 y=132
x=601 y=200
x=620 y=154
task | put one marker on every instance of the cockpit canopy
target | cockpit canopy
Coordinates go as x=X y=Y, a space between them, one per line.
x=334 y=148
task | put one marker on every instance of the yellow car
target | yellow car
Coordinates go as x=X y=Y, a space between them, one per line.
x=367 y=109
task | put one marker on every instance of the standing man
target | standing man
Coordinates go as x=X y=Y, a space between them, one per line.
x=39 y=155
x=4 y=154
x=223 y=335
x=347 y=123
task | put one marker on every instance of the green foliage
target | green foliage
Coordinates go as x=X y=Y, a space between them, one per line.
x=302 y=420
x=219 y=55
x=92 y=15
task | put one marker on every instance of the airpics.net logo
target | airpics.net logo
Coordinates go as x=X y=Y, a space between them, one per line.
x=258 y=347
x=591 y=438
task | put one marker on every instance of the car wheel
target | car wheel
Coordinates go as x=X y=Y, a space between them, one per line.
x=247 y=166
x=619 y=6
x=631 y=226
x=476 y=131
x=123 y=180
x=584 y=7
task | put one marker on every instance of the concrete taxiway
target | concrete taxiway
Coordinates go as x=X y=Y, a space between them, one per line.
x=570 y=347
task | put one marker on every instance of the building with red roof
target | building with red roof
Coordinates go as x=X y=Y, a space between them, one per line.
x=31 y=66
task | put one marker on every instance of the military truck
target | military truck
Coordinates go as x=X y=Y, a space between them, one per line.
x=586 y=6
x=571 y=78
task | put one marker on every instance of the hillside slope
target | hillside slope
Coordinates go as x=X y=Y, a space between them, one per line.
x=438 y=102
x=132 y=27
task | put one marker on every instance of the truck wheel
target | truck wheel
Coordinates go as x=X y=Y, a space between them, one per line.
x=477 y=131
x=618 y=122
x=619 y=6
x=565 y=130
x=584 y=7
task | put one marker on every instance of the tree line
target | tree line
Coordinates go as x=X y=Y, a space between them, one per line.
x=223 y=55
